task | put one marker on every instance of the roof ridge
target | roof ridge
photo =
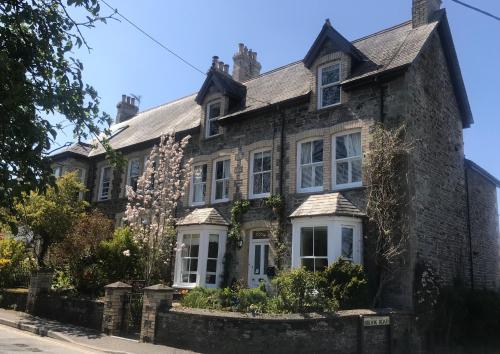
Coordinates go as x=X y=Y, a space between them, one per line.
x=382 y=31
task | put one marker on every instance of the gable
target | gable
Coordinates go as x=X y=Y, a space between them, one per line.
x=222 y=83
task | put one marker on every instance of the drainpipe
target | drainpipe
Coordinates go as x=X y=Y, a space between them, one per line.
x=469 y=233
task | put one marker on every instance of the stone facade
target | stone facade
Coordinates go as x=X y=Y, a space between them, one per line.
x=422 y=92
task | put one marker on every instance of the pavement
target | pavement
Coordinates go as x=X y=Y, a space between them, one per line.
x=90 y=340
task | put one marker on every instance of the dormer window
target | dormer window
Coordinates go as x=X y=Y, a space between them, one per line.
x=212 y=114
x=328 y=85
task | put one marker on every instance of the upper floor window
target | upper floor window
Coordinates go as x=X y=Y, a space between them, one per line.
x=221 y=181
x=134 y=171
x=212 y=114
x=57 y=171
x=80 y=175
x=199 y=184
x=310 y=166
x=347 y=160
x=105 y=185
x=328 y=85
x=260 y=174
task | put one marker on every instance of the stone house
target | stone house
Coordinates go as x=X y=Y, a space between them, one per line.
x=303 y=131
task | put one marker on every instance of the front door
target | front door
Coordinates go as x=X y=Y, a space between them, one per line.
x=258 y=260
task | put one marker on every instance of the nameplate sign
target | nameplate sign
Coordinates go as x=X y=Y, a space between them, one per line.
x=376 y=321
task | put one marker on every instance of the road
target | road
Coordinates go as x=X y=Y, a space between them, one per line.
x=19 y=342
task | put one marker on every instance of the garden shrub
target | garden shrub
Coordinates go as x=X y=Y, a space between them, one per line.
x=299 y=291
x=251 y=300
x=346 y=282
x=15 y=263
x=203 y=298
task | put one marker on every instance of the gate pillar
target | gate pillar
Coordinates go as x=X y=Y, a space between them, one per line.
x=113 y=307
x=157 y=297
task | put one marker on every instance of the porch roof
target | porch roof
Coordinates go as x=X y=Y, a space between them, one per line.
x=326 y=204
x=207 y=216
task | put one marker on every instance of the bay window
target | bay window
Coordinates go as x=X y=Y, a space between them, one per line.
x=310 y=166
x=328 y=85
x=347 y=160
x=318 y=241
x=199 y=184
x=199 y=255
x=260 y=174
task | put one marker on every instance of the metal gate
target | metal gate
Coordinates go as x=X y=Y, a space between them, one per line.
x=132 y=314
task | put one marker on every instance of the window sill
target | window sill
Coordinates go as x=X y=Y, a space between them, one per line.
x=310 y=190
x=219 y=201
x=212 y=136
x=330 y=106
x=347 y=187
x=259 y=196
x=197 y=204
x=185 y=286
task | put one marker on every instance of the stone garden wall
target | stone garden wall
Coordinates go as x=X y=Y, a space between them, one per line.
x=346 y=332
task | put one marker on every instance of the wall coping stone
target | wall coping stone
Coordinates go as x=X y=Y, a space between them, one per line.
x=159 y=287
x=283 y=317
x=118 y=285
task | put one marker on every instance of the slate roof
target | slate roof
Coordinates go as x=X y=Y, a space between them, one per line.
x=79 y=148
x=326 y=204
x=389 y=49
x=207 y=216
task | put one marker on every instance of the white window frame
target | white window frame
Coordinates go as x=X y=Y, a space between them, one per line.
x=334 y=226
x=251 y=194
x=101 y=180
x=129 y=170
x=214 y=180
x=209 y=120
x=321 y=87
x=191 y=187
x=299 y=167
x=57 y=171
x=336 y=186
x=204 y=231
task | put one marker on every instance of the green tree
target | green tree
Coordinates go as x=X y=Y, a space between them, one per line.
x=48 y=216
x=39 y=77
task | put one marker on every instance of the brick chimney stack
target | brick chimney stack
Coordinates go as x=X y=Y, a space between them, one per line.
x=423 y=11
x=245 y=65
x=126 y=109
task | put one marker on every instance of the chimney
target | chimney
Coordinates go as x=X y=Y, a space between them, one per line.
x=126 y=109
x=245 y=64
x=423 y=11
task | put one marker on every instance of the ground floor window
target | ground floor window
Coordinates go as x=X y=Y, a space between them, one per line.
x=199 y=256
x=319 y=241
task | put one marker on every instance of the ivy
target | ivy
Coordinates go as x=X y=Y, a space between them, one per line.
x=239 y=208
x=276 y=203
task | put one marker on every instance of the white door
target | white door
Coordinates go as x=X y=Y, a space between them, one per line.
x=258 y=262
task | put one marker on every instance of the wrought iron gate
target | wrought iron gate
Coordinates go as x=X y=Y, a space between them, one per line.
x=132 y=314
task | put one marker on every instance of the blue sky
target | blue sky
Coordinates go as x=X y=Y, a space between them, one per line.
x=281 y=31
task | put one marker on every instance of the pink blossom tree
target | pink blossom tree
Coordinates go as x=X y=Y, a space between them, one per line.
x=150 y=211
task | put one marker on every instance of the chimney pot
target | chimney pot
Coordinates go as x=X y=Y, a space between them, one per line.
x=215 y=61
x=132 y=101
x=124 y=98
x=226 y=68
x=241 y=48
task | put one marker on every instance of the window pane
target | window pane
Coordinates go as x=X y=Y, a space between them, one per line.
x=214 y=127
x=320 y=242
x=257 y=183
x=320 y=264
x=199 y=192
x=330 y=74
x=356 y=170
x=219 y=189
x=317 y=155
x=318 y=176
x=214 y=110
x=266 y=182
x=340 y=148
x=193 y=265
x=219 y=169
x=342 y=172
x=354 y=145
x=266 y=257
x=198 y=174
x=306 y=241
x=226 y=168
x=226 y=188
x=210 y=279
x=347 y=242
x=256 y=260
x=257 y=162
x=308 y=263
x=306 y=176
x=213 y=246
x=192 y=278
x=330 y=95
x=266 y=161
x=212 y=265
x=305 y=154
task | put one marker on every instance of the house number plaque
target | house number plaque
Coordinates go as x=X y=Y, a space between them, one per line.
x=376 y=321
